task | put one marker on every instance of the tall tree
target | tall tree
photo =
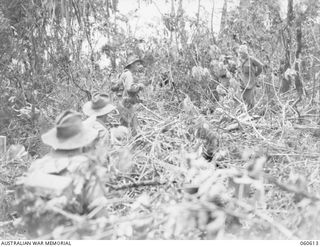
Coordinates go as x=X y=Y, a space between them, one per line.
x=294 y=28
x=287 y=42
x=224 y=15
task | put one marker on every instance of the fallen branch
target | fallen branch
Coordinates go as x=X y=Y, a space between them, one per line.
x=74 y=217
x=146 y=108
x=136 y=185
x=291 y=189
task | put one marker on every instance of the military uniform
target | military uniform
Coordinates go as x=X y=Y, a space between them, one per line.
x=65 y=180
x=250 y=69
x=130 y=97
x=98 y=109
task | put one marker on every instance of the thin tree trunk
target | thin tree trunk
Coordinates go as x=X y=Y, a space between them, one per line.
x=298 y=81
x=211 y=23
x=172 y=15
x=181 y=25
x=224 y=15
x=198 y=14
x=115 y=5
x=244 y=4
x=313 y=81
x=285 y=84
x=108 y=9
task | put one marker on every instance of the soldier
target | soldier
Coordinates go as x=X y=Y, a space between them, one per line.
x=66 y=176
x=222 y=75
x=130 y=96
x=97 y=110
x=250 y=69
x=209 y=140
x=224 y=71
x=69 y=133
x=230 y=63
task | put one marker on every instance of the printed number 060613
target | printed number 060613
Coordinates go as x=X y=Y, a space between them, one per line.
x=309 y=242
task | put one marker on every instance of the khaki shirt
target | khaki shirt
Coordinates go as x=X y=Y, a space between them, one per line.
x=103 y=132
x=129 y=83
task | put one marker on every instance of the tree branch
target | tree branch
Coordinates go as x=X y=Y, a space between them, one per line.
x=155 y=182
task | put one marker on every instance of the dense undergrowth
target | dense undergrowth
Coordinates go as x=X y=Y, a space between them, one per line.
x=155 y=199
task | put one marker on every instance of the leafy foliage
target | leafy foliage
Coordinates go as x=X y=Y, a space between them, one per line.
x=263 y=179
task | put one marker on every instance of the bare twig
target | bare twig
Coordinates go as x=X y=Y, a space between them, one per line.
x=153 y=113
x=155 y=182
x=291 y=189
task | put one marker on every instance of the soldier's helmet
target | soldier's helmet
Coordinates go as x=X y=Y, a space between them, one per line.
x=131 y=60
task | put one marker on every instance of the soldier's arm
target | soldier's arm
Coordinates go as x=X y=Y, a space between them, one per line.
x=134 y=88
x=258 y=65
x=129 y=84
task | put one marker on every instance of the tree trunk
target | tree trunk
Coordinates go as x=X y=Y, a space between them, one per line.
x=224 y=15
x=181 y=26
x=198 y=14
x=3 y=145
x=115 y=5
x=108 y=9
x=244 y=5
x=298 y=82
x=211 y=24
x=285 y=83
